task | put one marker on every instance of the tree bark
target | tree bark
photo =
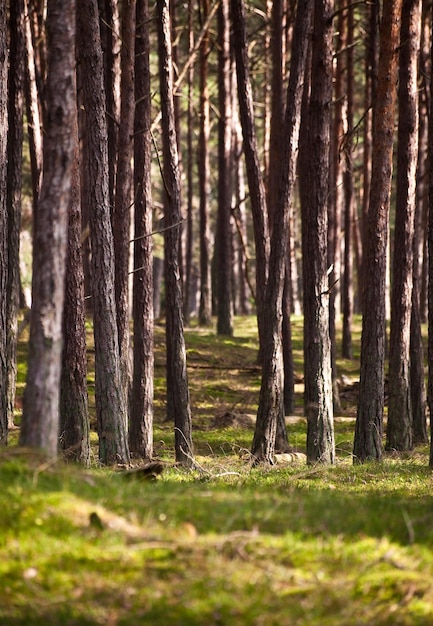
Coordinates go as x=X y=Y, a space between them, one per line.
x=40 y=419
x=225 y=163
x=109 y=20
x=271 y=401
x=399 y=433
x=3 y=222
x=348 y=184
x=141 y=414
x=14 y=186
x=255 y=180
x=189 y=279
x=205 y=307
x=74 y=416
x=369 y=420
x=178 y=402
x=32 y=113
x=111 y=409
x=124 y=192
x=317 y=345
x=430 y=264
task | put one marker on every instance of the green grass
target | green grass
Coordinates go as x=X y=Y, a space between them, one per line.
x=225 y=544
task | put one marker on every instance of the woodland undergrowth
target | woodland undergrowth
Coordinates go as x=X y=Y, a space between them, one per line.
x=224 y=543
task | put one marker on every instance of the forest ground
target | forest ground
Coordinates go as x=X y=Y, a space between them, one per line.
x=224 y=544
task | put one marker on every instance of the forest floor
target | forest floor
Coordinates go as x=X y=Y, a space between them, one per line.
x=225 y=543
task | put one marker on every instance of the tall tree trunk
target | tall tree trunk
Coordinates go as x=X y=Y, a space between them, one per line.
x=430 y=263
x=369 y=420
x=399 y=434
x=32 y=113
x=336 y=196
x=242 y=291
x=422 y=189
x=74 y=417
x=271 y=405
x=348 y=184
x=189 y=175
x=40 y=419
x=276 y=138
x=369 y=97
x=124 y=192
x=254 y=175
x=141 y=414
x=178 y=402
x=317 y=345
x=225 y=163
x=3 y=221
x=417 y=374
x=111 y=409
x=109 y=21
x=205 y=307
x=14 y=185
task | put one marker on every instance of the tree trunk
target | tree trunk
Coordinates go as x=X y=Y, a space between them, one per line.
x=225 y=163
x=111 y=409
x=40 y=419
x=399 y=434
x=178 y=402
x=369 y=97
x=430 y=264
x=14 y=186
x=317 y=345
x=205 y=307
x=74 y=417
x=348 y=184
x=189 y=175
x=3 y=222
x=141 y=414
x=32 y=113
x=254 y=175
x=111 y=45
x=124 y=192
x=369 y=420
x=271 y=401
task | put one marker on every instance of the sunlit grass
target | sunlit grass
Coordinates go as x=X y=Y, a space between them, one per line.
x=225 y=543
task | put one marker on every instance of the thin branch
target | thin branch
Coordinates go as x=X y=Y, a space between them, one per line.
x=192 y=56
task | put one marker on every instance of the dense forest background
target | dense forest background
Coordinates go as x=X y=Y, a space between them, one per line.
x=189 y=161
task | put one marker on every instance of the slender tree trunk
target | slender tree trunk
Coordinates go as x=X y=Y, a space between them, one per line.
x=141 y=414
x=3 y=222
x=348 y=184
x=417 y=374
x=40 y=419
x=255 y=180
x=369 y=98
x=124 y=191
x=369 y=421
x=423 y=189
x=225 y=163
x=399 y=434
x=205 y=307
x=189 y=174
x=32 y=113
x=336 y=195
x=74 y=417
x=317 y=346
x=178 y=402
x=109 y=21
x=14 y=185
x=271 y=405
x=430 y=264
x=111 y=409
x=289 y=368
